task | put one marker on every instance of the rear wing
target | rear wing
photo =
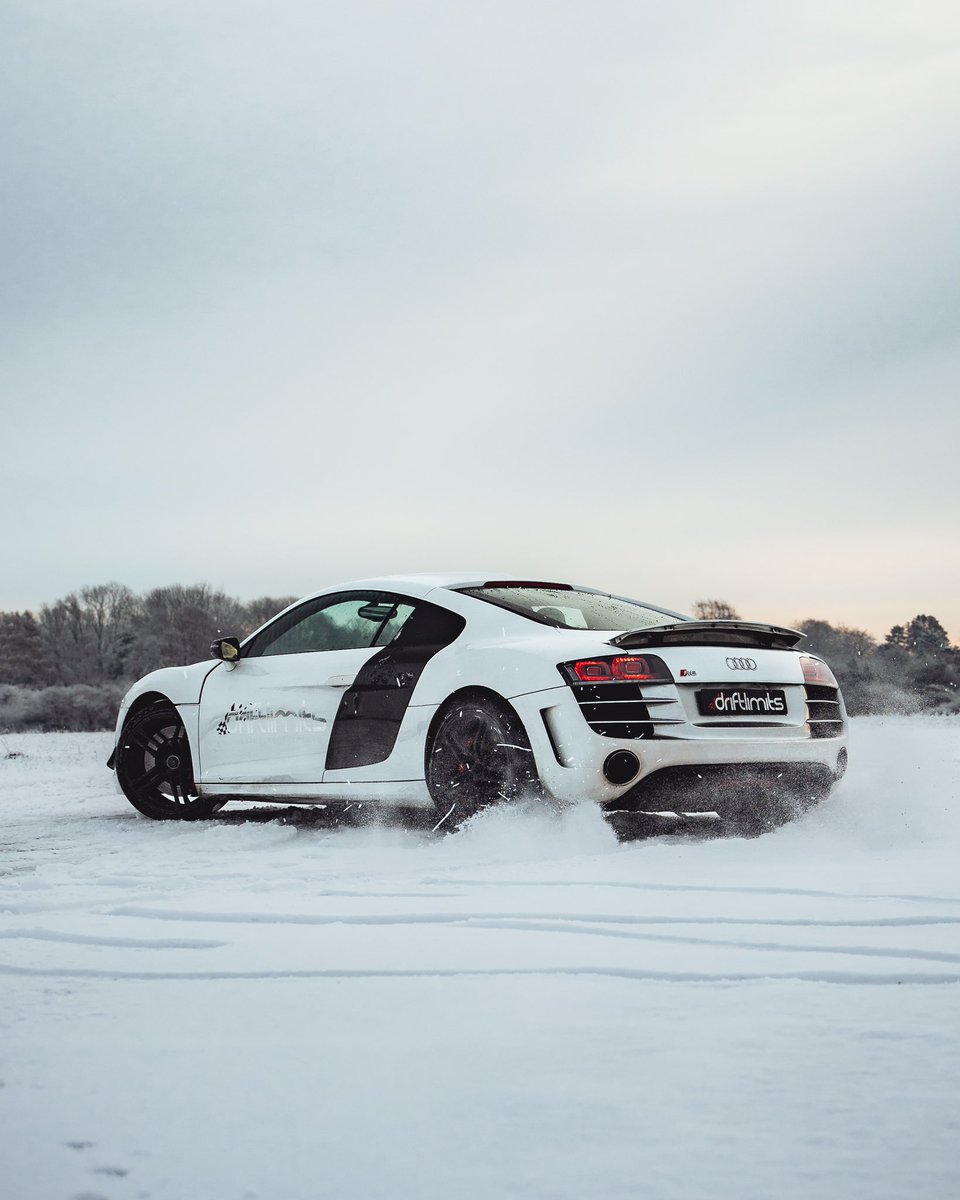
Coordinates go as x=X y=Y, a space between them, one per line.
x=710 y=633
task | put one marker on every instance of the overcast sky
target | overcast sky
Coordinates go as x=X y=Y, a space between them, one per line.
x=663 y=298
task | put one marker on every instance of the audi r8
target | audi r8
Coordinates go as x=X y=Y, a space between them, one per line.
x=455 y=692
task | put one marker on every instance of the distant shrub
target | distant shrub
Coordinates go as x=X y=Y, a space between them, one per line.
x=76 y=707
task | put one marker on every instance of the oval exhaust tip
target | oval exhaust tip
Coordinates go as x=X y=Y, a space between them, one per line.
x=621 y=766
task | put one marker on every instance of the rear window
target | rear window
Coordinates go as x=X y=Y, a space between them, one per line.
x=567 y=608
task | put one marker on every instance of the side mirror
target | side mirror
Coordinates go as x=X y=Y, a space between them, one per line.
x=227 y=648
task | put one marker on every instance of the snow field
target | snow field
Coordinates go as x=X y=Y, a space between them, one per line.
x=525 y=1009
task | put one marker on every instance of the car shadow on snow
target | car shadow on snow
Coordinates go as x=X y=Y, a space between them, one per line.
x=303 y=816
x=637 y=826
x=628 y=826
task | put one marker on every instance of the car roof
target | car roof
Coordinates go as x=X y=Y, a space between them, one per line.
x=421 y=583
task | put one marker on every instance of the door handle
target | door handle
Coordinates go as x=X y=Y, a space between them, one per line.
x=339 y=681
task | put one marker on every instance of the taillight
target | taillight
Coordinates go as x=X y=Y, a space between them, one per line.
x=817 y=672
x=592 y=670
x=634 y=669
x=622 y=668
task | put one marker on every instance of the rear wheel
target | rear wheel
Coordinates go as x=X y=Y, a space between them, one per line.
x=479 y=755
x=155 y=768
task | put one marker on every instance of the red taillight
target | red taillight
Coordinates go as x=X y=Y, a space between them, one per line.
x=592 y=670
x=633 y=669
x=623 y=668
x=817 y=672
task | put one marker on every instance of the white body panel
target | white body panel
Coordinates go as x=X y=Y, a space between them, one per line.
x=268 y=720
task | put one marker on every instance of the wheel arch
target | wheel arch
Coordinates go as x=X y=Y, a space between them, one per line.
x=461 y=696
x=155 y=769
x=144 y=700
x=137 y=705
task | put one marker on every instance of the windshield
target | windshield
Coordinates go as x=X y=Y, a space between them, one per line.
x=567 y=608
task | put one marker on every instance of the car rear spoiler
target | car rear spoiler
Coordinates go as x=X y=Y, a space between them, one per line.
x=710 y=633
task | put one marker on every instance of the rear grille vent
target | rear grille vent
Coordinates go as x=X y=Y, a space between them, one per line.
x=823 y=711
x=615 y=709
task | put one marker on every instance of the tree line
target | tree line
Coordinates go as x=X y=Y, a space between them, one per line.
x=107 y=633
x=66 y=666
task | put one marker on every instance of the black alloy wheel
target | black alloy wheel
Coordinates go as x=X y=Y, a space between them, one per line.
x=479 y=756
x=155 y=768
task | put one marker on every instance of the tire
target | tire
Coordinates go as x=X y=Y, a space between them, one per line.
x=478 y=756
x=155 y=768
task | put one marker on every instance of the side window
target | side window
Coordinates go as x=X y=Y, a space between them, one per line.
x=348 y=621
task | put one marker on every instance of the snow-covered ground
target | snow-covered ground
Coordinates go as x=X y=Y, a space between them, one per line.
x=239 y=1010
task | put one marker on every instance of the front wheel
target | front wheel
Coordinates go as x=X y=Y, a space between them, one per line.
x=479 y=755
x=155 y=768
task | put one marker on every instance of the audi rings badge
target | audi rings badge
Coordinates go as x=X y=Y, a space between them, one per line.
x=741 y=664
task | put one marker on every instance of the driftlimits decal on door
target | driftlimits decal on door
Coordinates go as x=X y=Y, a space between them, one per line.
x=257 y=719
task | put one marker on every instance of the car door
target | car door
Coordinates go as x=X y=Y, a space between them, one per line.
x=268 y=717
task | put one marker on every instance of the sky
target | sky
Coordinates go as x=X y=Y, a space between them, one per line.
x=657 y=298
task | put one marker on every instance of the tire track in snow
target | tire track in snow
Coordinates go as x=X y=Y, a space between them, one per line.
x=454 y=918
x=695 y=887
x=128 y=943
x=627 y=973
x=92 y=904
x=631 y=928
x=680 y=939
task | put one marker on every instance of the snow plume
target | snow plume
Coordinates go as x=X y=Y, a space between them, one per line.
x=530 y=831
x=903 y=788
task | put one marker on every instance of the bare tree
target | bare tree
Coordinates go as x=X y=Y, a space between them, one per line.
x=24 y=656
x=88 y=634
x=258 y=612
x=109 y=610
x=715 y=610
x=176 y=624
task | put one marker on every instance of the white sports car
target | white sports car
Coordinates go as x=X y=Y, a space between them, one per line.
x=457 y=692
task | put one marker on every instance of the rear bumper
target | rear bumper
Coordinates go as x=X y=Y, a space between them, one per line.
x=570 y=756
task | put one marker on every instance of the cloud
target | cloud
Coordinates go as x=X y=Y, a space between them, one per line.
x=619 y=288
